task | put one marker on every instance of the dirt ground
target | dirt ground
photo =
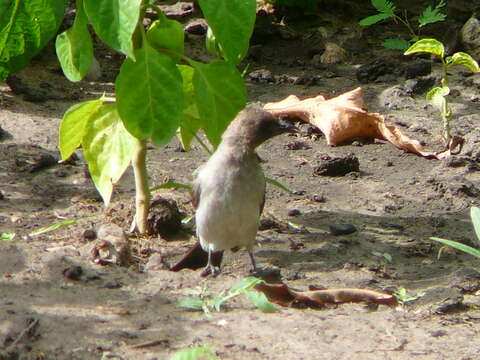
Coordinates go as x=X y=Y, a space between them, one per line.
x=396 y=201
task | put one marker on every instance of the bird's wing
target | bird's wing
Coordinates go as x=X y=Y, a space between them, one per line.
x=196 y=190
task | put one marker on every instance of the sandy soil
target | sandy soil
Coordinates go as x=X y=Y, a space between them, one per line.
x=397 y=201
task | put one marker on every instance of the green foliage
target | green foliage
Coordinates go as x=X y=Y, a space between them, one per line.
x=403 y=297
x=438 y=95
x=114 y=22
x=159 y=91
x=7 y=236
x=195 y=353
x=432 y=14
x=475 y=217
x=25 y=28
x=75 y=48
x=150 y=95
x=59 y=225
x=205 y=301
x=387 y=10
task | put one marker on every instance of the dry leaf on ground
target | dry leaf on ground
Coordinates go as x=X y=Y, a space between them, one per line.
x=281 y=294
x=344 y=117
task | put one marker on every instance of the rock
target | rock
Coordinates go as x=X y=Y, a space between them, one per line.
x=73 y=272
x=333 y=54
x=164 y=218
x=261 y=76
x=337 y=166
x=373 y=70
x=470 y=36
x=419 y=86
x=111 y=246
x=342 y=229
x=419 y=67
x=197 y=27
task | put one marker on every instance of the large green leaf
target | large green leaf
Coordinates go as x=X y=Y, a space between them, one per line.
x=114 y=22
x=25 y=28
x=459 y=246
x=74 y=47
x=431 y=46
x=384 y=6
x=150 y=95
x=220 y=94
x=166 y=34
x=191 y=119
x=108 y=147
x=464 y=59
x=74 y=124
x=232 y=24
x=475 y=216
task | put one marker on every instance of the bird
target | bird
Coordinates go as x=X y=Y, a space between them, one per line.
x=228 y=192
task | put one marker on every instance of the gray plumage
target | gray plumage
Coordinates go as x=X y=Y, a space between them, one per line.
x=229 y=190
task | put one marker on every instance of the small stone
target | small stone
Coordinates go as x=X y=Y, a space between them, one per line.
x=337 y=166
x=197 y=27
x=112 y=284
x=293 y=212
x=342 y=229
x=89 y=234
x=73 y=272
x=319 y=198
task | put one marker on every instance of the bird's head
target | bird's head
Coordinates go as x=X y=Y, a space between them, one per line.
x=253 y=126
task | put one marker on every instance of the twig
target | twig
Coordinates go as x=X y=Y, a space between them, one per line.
x=21 y=335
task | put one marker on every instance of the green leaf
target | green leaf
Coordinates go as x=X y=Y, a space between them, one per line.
x=114 y=22
x=475 y=216
x=108 y=148
x=166 y=34
x=245 y=284
x=396 y=44
x=59 y=224
x=192 y=303
x=259 y=299
x=220 y=94
x=431 y=46
x=459 y=246
x=384 y=6
x=25 y=28
x=374 y=19
x=7 y=236
x=232 y=23
x=191 y=119
x=150 y=95
x=73 y=126
x=464 y=59
x=437 y=96
x=74 y=47
x=278 y=184
x=431 y=15
x=195 y=353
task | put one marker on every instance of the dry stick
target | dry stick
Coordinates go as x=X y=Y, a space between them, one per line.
x=21 y=335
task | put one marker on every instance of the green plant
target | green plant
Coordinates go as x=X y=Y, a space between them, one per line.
x=204 y=300
x=7 y=236
x=159 y=90
x=403 y=297
x=438 y=95
x=475 y=216
x=195 y=353
x=25 y=28
x=387 y=10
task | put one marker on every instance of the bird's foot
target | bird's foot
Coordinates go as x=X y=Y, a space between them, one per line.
x=210 y=270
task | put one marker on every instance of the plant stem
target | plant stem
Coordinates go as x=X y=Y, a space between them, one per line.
x=142 y=193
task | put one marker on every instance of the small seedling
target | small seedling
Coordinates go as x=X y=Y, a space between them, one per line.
x=387 y=10
x=195 y=353
x=403 y=297
x=388 y=258
x=438 y=95
x=205 y=301
x=7 y=236
x=59 y=224
x=475 y=216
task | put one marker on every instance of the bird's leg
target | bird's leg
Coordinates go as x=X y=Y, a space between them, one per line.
x=210 y=269
x=252 y=259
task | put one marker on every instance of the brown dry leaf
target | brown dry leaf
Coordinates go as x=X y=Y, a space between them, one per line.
x=281 y=294
x=344 y=117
